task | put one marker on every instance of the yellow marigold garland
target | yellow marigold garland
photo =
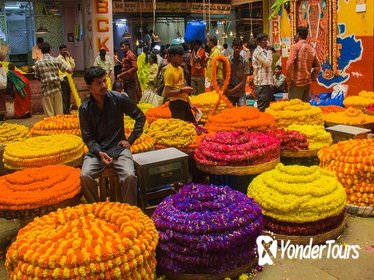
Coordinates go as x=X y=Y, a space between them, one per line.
x=352 y=162
x=172 y=133
x=298 y=194
x=145 y=106
x=108 y=82
x=10 y=132
x=60 y=124
x=351 y=116
x=37 y=187
x=316 y=135
x=89 y=241
x=207 y=101
x=74 y=91
x=363 y=99
x=295 y=111
x=43 y=150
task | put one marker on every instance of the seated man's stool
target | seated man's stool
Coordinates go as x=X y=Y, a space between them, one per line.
x=109 y=185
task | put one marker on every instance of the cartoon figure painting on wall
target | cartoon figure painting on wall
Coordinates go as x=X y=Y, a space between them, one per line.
x=334 y=51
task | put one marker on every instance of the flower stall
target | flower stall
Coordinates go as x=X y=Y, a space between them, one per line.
x=207 y=231
x=299 y=203
x=88 y=241
x=38 y=191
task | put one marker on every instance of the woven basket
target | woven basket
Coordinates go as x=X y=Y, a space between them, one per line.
x=31 y=213
x=304 y=240
x=238 y=170
x=299 y=154
x=364 y=211
x=230 y=274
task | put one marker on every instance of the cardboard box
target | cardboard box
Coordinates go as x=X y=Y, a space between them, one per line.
x=346 y=132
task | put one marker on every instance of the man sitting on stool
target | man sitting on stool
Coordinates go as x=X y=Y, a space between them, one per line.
x=102 y=127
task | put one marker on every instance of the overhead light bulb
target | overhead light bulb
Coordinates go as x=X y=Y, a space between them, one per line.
x=217 y=32
x=231 y=34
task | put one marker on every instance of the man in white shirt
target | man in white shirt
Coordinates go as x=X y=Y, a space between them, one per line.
x=104 y=61
x=66 y=58
x=263 y=75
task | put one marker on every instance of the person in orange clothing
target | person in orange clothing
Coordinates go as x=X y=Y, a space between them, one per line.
x=19 y=87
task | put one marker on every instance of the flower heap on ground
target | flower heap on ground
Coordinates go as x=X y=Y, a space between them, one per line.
x=237 y=148
x=12 y=133
x=207 y=101
x=34 y=188
x=43 y=150
x=299 y=200
x=144 y=142
x=351 y=116
x=363 y=99
x=60 y=124
x=172 y=133
x=240 y=118
x=295 y=111
x=160 y=112
x=316 y=135
x=206 y=229
x=331 y=109
x=291 y=140
x=352 y=162
x=88 y=241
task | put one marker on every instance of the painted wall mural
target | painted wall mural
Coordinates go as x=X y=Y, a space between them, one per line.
x=352 y=48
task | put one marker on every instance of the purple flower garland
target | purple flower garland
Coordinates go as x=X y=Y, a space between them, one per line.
x=206 y=229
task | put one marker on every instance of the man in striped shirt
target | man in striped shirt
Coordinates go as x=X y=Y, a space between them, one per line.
x=46 y=70
x=302 y=66
x=263 y=75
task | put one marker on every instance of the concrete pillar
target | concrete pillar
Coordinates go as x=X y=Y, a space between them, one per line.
x=98 y=29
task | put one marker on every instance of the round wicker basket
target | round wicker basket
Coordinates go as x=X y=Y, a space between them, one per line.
x=299 y=154
x=364 y=211
x=238 y=170
x=230 y=274
x=32 y=213
x=304 y=240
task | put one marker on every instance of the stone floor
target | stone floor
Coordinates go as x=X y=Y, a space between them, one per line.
x=358 y=231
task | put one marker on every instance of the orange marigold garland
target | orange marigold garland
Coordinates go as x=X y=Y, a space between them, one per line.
x=353 y=164
x=90 y=241
x=43 y=150
x=226 y=70
x=351 y=116
x=243 y=118
x=60 y=124
x=160 y=112
x=331 y=109
x=37 y=187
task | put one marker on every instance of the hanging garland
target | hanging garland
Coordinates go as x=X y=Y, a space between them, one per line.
x=108 y=82
x=227 y=72
x=74 y=91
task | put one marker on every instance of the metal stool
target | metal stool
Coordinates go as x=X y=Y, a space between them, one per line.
x=109 y=185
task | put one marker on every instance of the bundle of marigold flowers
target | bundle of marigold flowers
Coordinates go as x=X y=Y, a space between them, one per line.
x=237 y=148
x=34 y=188
x=207 y=101
x=240 y=118
x=172 y=133
x=60 y=124
x=160 y=112
x=206 y=229
x=290 y=140
x=351 y=116
x=88 y=241
x=43 y=150
x=299 y=200
x=143 y=144
x=331 y=109
x=145 y=106
x=295 y=111
x=352 y=162
x=316 y=135
x=12 y=133
x=363 y=99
